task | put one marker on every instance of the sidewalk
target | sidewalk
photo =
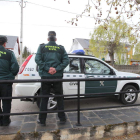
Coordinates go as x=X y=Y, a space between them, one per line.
x=28 y=123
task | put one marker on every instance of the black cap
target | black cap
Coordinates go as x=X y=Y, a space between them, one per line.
x=52 y=33
x=3 y=39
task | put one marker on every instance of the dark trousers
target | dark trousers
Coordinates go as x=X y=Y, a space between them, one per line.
x=5 y=91
x=58 y=90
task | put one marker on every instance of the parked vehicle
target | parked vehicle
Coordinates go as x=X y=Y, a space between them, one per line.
x=80 y=66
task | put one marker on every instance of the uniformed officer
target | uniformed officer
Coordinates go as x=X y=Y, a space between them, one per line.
x=8 y=70
x=51 y=59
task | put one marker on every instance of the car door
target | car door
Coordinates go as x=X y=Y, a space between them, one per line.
x=96 y=69
x=73 y=71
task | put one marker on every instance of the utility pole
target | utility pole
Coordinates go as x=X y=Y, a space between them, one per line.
x=21 y=33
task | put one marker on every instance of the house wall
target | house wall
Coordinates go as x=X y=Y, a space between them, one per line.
x=75 y=46
x=16 y=50
x=107 y=58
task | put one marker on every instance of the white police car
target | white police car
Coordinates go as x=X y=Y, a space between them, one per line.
x=80 y=66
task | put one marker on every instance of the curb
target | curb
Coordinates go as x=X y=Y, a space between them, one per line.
x=81 y=133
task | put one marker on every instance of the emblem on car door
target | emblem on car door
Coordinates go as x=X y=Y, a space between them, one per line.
x=101 y=83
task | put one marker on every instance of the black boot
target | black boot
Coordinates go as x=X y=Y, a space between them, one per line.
x=1 y=118
x=1 y=121
x=7 y=122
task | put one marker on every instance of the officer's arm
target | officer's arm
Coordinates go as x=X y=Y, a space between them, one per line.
x=14 y=65
x=65 y=62
x=38 y=60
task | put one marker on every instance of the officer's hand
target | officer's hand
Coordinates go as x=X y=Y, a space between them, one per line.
x=52 y=71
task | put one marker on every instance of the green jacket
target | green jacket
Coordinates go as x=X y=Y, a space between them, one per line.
x=8 y=64
x=51 y=55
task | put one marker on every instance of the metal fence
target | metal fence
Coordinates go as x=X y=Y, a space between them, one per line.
x=69 y=95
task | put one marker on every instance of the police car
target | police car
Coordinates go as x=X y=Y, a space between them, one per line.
x=80 y=66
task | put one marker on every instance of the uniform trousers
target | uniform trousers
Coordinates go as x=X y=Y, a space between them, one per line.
x=5 y=105
x=46 y=89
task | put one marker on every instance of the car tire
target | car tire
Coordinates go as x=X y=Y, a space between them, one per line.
x=52 y=103
x=129 y=98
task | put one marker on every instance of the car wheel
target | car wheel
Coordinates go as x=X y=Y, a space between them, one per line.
x=129 y=98
x=52 y=103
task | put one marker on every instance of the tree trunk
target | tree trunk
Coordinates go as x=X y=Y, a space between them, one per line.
x=111 y=55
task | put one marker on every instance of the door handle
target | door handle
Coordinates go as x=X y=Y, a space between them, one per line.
x=90 y=76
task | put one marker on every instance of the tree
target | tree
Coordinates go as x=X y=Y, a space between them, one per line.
x=103 y=10
x=112 y=38
x=26 y=52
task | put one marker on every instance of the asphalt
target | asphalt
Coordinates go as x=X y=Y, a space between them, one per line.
x=28 y=123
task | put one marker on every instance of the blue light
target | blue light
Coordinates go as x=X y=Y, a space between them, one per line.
x=79 y=52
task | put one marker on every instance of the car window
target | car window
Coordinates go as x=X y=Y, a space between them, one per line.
x=74 y=66
x=95 y=67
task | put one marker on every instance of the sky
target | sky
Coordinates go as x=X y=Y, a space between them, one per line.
x=38 y=20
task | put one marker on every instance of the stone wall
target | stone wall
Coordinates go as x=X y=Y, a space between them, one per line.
x=128 y=68
x=81 y=133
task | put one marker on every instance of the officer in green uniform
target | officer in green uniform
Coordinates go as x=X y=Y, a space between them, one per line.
x=51 y=59
x=8 y=70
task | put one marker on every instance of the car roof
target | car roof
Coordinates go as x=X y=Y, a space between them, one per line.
x=80 y=55
x=77 y=55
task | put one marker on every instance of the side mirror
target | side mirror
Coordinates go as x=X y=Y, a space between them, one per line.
x=112 y=72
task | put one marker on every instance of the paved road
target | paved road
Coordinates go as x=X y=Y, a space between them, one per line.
x=21 y=106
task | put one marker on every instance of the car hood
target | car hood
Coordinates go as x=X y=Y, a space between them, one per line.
x=119 y=73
